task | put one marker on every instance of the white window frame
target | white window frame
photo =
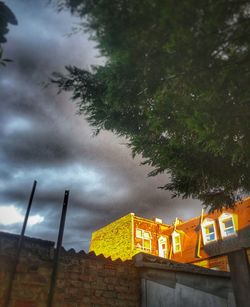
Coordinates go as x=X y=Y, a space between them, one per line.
x=175 y=249
x=206 y=223
x=225 y=216
x=161 y=251
x=144 y=239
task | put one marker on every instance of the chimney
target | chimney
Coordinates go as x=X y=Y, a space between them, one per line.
x=157 y=220
x=177 y=221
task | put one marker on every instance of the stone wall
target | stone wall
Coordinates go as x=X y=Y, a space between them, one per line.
x=83 y=279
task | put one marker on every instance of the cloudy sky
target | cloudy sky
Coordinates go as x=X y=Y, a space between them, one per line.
x=42 y=138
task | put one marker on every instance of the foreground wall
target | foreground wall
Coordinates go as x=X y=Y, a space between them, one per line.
x=156 y=294
x=170 y=284
x=86 y=280
x=183 y=290
x=83 y=280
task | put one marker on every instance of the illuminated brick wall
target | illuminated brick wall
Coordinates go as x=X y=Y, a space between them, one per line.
x=119 y=240
x=115 y=239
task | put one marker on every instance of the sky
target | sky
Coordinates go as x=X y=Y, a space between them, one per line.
x=42 y=138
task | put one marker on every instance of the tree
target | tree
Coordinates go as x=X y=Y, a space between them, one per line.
x=6 y=17
x=176 y=84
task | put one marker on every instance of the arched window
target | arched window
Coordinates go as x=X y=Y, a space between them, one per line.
x=176 y=239
x=162 y=246
x=227 y=225
x=208 y=231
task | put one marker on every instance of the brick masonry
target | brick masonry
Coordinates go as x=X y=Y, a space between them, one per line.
x=83 y=280
x=117 y=234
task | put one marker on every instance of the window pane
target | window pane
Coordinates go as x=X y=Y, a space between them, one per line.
x=210 y=232
x=210 y=228
x=228 y=223
x=138 y=233
x=211 y=237
x=176 y=243
x=177 y=247
x=177 y=239
x=229 y=231
x=146 y=244
x=146 y=235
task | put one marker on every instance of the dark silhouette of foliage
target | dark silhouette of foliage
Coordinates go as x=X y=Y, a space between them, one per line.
x=6 y=17
x=176 y=84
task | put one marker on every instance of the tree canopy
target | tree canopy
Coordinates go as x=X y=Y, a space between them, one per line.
x=6 y=17
x=176 y=84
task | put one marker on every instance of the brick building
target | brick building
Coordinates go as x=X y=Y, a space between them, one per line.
x=204 y=240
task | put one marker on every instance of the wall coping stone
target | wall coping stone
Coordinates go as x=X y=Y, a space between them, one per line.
x=12 y=236
x=144 y=260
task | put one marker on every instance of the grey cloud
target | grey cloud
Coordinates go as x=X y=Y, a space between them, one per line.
x=42 y=138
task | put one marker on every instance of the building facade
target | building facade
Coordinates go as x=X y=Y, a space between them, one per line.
x=204 y=240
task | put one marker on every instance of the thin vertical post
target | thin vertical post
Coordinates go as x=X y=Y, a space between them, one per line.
x=58 y=248
x=19 y=248
x=20 y=242
x=198 y=249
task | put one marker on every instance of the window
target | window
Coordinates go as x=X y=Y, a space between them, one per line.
x=208 y=231
x=162 y=246
x=145 y=239
x=176 y=238
x=227 y=225
x=138 y=233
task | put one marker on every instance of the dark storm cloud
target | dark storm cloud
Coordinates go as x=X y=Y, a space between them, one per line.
x=42 y=138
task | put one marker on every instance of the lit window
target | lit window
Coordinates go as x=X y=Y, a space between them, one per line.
x=146 y=245
x=145 y=242
x=208 y=231
x=162 y=245
x=146 y=235
x=227 y=225
x=176 y=238
x=138 y=233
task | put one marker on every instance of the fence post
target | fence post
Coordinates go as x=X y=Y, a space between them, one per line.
x=19 y=248
x=58 y=248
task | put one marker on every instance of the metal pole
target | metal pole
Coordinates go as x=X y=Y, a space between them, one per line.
x=19 y=248
x=58 y=248
x=20 y=242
